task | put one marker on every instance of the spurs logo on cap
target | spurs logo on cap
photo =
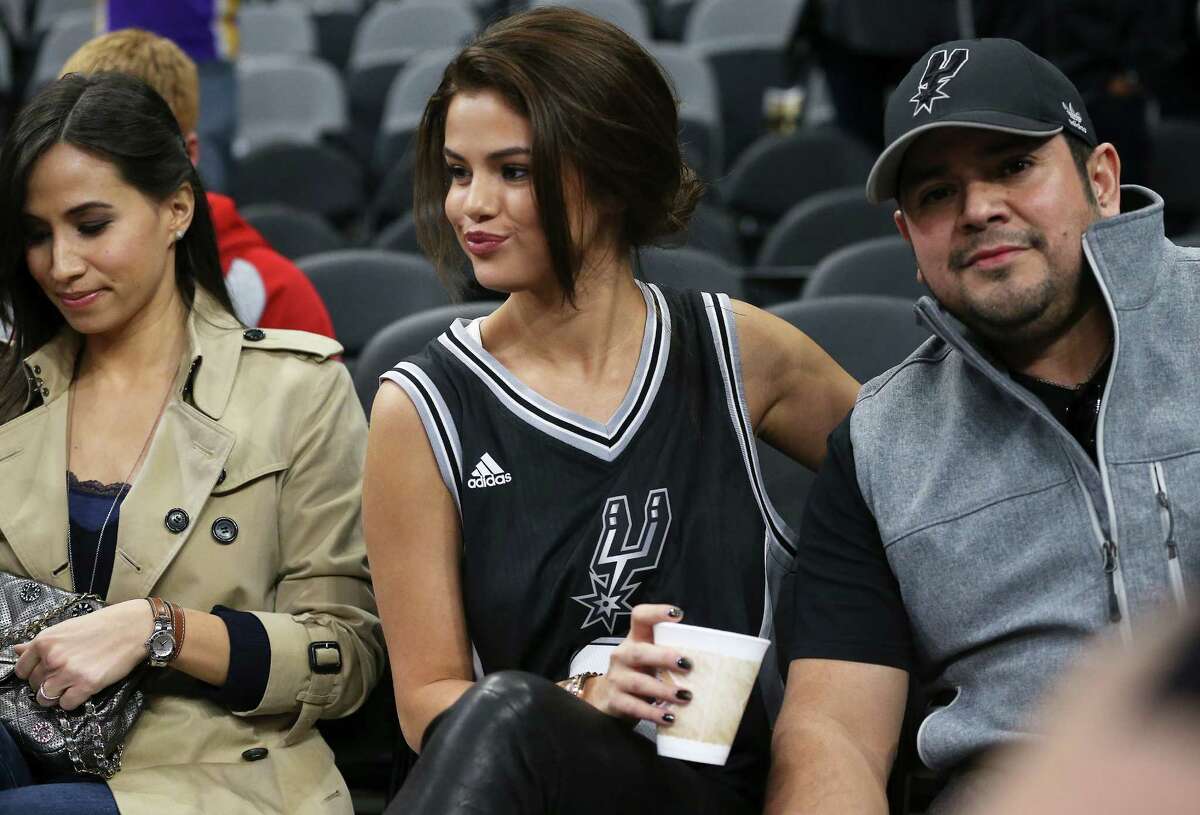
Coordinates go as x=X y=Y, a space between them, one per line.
x=941 y=68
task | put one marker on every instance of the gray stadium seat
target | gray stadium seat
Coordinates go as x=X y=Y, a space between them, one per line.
x=405 y=337
x=866 y=336
x=701 y=128
x=389 y=36
x=769 y=20
x=399 y=236
x=276 y=29
x=13 y=12
x=293 y=233
x=686 y=268
x=745 y=67
x=625 y=14
x=6 y=75
x=287 y=99
x=1174 y=172
x=880 y=266
x=305 y=176
x=406 y=102
x=824 y=223
x=711 y=229
x=365 y=289
x=777 y=171
x=47 y=13
x=67 y=33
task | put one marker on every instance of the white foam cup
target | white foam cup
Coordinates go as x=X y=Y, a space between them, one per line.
x=724 y=669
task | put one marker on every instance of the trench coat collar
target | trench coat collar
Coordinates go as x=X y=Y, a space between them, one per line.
x=181 y=467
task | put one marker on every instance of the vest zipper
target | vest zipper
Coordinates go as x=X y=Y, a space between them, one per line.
x=1110 y=572
x=1174 y=573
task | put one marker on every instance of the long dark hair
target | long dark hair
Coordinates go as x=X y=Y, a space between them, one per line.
x=122 y=120
x=598 y=105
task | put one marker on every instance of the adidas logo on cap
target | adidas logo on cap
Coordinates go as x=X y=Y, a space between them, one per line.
x=488 y=473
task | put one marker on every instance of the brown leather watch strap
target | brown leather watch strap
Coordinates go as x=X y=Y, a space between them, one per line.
x=160 y=608
x=179 y=620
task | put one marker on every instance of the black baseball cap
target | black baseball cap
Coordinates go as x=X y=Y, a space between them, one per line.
x=991 y=84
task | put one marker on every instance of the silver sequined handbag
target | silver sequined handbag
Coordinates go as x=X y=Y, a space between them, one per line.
x=87 y=740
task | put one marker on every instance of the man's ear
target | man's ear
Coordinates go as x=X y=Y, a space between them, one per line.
x=192 y=142
x=902 y=226
x=1104 y=174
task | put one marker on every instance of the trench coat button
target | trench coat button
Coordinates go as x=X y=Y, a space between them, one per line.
x=45 y=393
x=224 y=530
x=254 y=334
x=255 y=754
x=37 y=369
x=221 y=478
x=177 y=520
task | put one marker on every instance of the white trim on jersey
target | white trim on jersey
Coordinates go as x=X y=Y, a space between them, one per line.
x=605 y=441
x=778 y=536
x=438 y=421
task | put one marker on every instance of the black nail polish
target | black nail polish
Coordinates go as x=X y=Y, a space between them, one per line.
x=683 y=695
x=684 y=663
x=674 y=612
x=668 y=717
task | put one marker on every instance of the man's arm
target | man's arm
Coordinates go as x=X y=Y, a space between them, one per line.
x=836 y=738
x=845 y=634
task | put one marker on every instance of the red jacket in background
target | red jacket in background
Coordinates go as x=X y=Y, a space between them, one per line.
x=266 y=288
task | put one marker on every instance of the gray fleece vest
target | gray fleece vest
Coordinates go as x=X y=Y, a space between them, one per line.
x=1010 y=546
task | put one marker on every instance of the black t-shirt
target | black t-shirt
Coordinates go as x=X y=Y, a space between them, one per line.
x=840 y=600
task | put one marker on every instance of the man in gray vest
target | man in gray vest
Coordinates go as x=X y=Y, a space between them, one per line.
x=1029 y=477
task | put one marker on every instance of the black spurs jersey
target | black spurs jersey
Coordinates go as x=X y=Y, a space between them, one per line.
x=567 y=523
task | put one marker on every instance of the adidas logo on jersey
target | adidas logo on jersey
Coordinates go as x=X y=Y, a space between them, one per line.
x=488 y=473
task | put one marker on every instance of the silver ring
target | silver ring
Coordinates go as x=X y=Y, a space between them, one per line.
x=41 y=691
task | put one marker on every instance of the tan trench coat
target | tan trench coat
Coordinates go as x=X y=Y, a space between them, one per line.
x=270 y=434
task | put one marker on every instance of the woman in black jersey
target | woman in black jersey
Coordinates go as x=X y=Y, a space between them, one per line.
x=546 y=483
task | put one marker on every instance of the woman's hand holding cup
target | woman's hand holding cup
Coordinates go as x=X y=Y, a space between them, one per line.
x=631 y=688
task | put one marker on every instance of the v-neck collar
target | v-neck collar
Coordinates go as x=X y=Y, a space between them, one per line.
x=605 y=440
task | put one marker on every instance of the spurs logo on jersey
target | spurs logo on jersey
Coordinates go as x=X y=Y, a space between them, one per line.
x=940 y=69
x=618 y=562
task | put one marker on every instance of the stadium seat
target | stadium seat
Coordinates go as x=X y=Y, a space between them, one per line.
x=314 y=177
x=824 y=223
x=712 y=230
x=6 y=74
x=777 y=171
x=879 y=266
x=744 y=67
x=294 y=233
x=866 y=336
x=627 y=15
x=686 y=268
x=406 y=102
x=1174 y=173
x=701 y=130
x=64 y=37
x=389 y=36
x=405 y=337
x=765 y=20
x=399 y=236
x=670 y=18
x=394 y=196
x=287 y=99
x=365 y=289
x=13 y=12
x=276 y=29
x=47 y=13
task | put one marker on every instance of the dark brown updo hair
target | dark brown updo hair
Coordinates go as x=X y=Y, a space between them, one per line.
x=599 y=106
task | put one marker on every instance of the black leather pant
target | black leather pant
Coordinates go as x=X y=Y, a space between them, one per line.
x=515 y=744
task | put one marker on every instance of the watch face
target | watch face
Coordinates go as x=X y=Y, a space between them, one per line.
x=162 y=645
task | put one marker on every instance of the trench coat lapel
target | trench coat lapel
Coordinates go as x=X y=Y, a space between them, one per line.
x=33 y=495
x=181 y=468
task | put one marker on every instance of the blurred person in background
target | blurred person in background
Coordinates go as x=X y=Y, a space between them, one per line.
x=267 y=289
x=207 y=32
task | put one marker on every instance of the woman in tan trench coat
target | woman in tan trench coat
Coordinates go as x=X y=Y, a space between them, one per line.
x=233 y=459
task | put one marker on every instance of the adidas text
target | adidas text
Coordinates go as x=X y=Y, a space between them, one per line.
x=489 y=480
